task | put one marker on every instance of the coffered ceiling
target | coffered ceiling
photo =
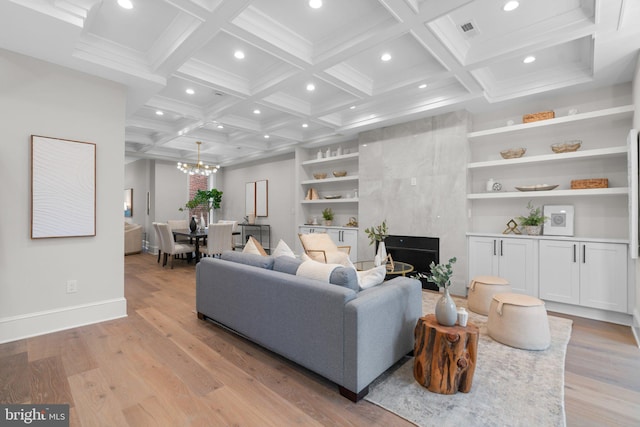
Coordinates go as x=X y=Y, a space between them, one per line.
x=444 y=55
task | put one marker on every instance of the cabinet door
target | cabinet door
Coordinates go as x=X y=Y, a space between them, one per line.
x=603 y=276
x=559 y=271
x=483 y=256
x=516 y=264
x=346 y=238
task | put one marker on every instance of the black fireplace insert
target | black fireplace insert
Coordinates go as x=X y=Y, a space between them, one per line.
x=417 y=251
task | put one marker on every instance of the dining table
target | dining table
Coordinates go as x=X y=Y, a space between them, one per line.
x=194 y=236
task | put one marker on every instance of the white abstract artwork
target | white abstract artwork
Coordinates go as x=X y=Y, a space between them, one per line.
x=63 y=188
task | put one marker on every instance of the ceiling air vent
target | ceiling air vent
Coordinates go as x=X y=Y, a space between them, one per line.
x=469 y=29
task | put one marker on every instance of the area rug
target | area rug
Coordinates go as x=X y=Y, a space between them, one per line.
x=511 y=387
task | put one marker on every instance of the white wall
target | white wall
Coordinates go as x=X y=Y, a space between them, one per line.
x=636 y=125
x=44 y=99
x=279 y=172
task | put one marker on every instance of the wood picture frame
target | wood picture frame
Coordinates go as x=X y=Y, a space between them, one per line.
x=262 y=198
x=250 y=198
x=63 y=188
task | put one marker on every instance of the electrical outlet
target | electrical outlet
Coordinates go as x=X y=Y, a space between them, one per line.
x=72 y=286
x=413 y=181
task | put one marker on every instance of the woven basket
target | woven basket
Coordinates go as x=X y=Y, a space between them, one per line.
x=581 y=184
x=534 y=117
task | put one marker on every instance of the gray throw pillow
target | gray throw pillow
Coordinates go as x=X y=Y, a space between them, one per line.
x=345 y=276
x=248 y=259
x=286 y=264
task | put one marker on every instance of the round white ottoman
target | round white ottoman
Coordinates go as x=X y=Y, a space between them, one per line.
x=481 y=291
x=519 y=321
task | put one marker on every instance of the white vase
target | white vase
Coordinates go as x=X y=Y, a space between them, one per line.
x=446 y=312
x=381 y=255
x=533 y=230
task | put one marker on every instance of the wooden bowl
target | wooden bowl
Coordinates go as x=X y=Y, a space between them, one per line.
x=566 y=147
x=513 y=153
x=319 y=175
x=339 y=174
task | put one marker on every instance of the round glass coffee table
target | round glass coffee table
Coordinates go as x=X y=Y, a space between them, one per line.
x=401 y=268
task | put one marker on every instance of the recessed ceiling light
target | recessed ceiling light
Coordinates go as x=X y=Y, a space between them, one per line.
x=190 y=91
x=529 y=59
x=422 y=86
x=238 y=54
x=311 y=87
x=353 y=107
x=256 y=111
x=510 y=5
x=125 y=4
x=305 y=125
x=220 y=127
x=315 y=4
x=266 y=137
x=385 y=57
x=159 y=113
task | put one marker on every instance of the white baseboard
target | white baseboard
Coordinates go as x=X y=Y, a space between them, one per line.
x=44 y=322
x=590 y=313
x=635 y=328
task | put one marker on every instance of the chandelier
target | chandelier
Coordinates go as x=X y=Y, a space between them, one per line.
x=198 y=168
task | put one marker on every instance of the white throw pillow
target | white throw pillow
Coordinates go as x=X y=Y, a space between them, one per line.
x=282 y=249
x=312 y=269
x=254 y=247
x=370 y=278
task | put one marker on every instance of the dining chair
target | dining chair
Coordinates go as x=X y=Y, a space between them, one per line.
x=179 y=224
x=320 y=247
x=171 y=248
x=234 y=231
x=218 y=239
x=159 y=239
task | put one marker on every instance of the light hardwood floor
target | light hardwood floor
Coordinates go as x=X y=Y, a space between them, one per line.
x=161 y=366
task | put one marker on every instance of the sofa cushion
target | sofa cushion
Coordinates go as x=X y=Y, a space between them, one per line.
x=248 y=259
x=332 y=273
x=254 y=247
x=286 y=264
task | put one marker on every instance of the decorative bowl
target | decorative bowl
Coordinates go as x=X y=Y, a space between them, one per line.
x=566 y=147
x=332 y=196
x=339 y=174
x=319 y=175
x=513 y=153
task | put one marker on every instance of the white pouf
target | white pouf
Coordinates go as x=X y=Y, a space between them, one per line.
x=481 y=292
x=519 y=321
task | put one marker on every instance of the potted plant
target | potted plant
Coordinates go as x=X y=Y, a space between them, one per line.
x=533 y=222
x=446 y=312
x=204 y=199
x=327 y=215
x=378 y=234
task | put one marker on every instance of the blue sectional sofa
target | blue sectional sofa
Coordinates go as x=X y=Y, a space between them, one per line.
x=348 y=337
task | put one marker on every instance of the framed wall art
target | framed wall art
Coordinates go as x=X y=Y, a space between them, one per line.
x=128 y=202
x=559 y=220
x=63 y=188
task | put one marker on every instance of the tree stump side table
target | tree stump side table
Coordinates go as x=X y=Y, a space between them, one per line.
x=445 y=356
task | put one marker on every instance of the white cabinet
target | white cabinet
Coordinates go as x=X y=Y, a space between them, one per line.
x=510 y=258
x=341 y=236
x=589 y=274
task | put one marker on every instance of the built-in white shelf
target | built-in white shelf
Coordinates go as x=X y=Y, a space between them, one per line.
x=325 y=201
x=607 y=113
x=586 y=154
x=334 y=159
x=591 y=192
x=330 y=180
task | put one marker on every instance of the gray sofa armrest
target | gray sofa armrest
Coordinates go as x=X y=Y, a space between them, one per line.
x=379 y=327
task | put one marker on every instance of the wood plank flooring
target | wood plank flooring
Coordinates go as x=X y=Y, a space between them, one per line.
x=161 y=366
